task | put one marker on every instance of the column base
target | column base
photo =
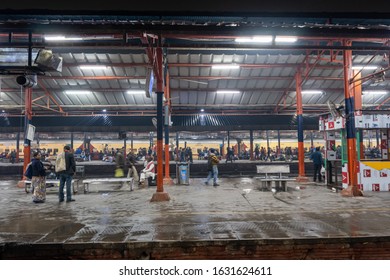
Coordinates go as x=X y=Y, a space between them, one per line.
x=351 y=191
x=302 y=179
x=21 y=184
x=160 y=196
x=168 y=181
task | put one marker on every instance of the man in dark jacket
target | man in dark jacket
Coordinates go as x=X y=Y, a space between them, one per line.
x=66 y=176
x=316 y=157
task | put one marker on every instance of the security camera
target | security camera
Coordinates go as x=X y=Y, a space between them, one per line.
x=28 y=81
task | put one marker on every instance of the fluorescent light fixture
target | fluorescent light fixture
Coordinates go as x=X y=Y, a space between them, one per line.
x=285 y=39
x=93 y=67
x=202 y=110
x=104 y=110
x=228 y=91
x=225 y=66
x=71 y=92
x=136 y=91
x=362 y=67
x=255 y=39
x=312 y=92
x=379 y=92
x=62 y=38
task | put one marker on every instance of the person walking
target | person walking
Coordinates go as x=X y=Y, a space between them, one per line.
x=316 y=157
x=66 y=175
x=212 y=167
x=120 y=163
x=131 y=161
x=229 y=155
x=38 y=180
x=13 y=156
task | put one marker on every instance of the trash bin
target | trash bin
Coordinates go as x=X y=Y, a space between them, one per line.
x=183 y=173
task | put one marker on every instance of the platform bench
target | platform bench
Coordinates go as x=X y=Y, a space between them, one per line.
x=273 y=173
x=55 y=182
x=124 y=181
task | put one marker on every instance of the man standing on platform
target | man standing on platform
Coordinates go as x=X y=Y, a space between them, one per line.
x=212 y=167
x=66 y=175
x=316 y=157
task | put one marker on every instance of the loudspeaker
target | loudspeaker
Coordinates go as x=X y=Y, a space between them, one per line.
x=28 y=81
x=48 y=61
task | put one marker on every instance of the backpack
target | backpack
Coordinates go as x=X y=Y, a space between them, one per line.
x=28 y=172
x=60 y=162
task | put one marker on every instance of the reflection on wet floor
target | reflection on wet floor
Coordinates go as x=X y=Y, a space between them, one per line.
x=235 y=210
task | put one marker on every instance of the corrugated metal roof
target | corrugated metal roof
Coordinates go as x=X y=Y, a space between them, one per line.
x=198 y=122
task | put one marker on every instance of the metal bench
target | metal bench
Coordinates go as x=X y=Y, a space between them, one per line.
x=55 y=183
x=124 y=181
x=279 y=180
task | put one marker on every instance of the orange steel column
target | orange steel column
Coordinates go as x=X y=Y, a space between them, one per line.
x=167 y=94
x=357 y=88
x=27 y=143
x=159 y=195
x=301 y=153
x=27 y=120
x=352 y=189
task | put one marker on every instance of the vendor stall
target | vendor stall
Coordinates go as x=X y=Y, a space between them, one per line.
x=373 y=172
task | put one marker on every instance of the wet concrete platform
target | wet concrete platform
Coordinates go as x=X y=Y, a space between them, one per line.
x=232 y=221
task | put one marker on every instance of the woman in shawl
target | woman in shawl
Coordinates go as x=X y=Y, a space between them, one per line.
x=38 y=181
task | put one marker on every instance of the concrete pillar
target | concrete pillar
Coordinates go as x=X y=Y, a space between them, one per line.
x=251 y=144
x=17 y=146
x=279 y=148
x=71 y=140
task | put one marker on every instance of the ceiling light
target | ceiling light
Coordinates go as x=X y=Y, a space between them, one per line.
x=70 y=92
x=256 y=39
x=228 y=91
x=285 y=39
x=104 y=110
x=312 y=92
x=362 y=67
x=374 y=92
x=136 y=91
x=202 y=110
x=93 y=67
x=225 y=66
x=62 y=38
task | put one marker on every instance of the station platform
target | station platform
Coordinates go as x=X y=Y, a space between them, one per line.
x=198 y=168
x=232 y=221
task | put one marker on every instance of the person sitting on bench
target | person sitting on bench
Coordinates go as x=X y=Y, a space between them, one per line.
x=148 y=171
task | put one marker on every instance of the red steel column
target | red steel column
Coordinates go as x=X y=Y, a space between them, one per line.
x=167 y=94
x=352 y=189
x=159 y=195
x=27 y=120
x=301 y=152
